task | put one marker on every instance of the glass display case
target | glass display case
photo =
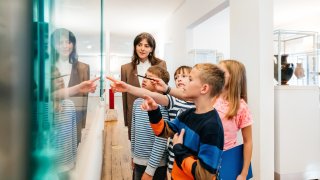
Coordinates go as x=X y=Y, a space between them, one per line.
x=66 y=54
x=299 y=58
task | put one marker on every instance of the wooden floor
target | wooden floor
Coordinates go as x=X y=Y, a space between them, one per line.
x=117 y=158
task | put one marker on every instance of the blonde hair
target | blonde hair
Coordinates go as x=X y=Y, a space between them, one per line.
x=160 y=73
x=236 y=89
x=211 y=74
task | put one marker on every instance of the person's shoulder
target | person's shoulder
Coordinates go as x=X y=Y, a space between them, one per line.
x=211 y=118
x=243 y=106
x=185 y=113
x=126 y=65
x=212 y=123
x=82 y=65
x=161 y=61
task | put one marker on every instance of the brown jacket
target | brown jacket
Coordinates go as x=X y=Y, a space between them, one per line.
x=80 y=72
x=128 y=76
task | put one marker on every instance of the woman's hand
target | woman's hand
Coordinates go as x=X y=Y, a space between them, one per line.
x=88 y=86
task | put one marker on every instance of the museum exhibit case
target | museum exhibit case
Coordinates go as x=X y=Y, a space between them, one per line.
x=298 y=54
x=296 y=105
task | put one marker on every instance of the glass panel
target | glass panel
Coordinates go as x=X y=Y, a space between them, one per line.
x=68 y=57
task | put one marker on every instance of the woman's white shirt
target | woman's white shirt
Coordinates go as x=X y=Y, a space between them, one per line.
x=64 y=68
x=142 y=68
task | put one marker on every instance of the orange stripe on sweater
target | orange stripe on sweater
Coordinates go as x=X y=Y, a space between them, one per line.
x=158 y=128
x=186 y=172
x=179 y=174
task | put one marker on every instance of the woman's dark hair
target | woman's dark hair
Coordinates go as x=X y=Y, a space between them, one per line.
x=152 y=43
x=55 y=38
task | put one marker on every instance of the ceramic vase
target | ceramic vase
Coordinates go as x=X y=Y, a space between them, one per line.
x=286 y=69
x=299 y=71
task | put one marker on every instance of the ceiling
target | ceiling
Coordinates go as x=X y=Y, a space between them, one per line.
x=297 y=14
x=126 y=18
x=133 y=16
x=120 y=16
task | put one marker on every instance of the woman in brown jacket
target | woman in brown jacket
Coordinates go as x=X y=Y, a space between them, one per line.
x=143 y=57
x=72 y=72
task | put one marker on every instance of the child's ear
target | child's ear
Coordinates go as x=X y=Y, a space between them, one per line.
x=205 y=89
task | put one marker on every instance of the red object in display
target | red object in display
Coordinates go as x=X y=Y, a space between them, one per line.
x=111 y=99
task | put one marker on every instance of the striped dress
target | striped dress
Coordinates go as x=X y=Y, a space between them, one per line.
x=146 y=148
x=175 y=107
x=65 y=134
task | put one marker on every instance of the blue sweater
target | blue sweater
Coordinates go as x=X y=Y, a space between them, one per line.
x=199 y=155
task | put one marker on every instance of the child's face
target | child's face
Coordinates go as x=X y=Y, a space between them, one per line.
x=193 y=88
x=147 y=84
x=181 y=79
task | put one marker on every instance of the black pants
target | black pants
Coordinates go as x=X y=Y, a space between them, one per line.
x=160 y=174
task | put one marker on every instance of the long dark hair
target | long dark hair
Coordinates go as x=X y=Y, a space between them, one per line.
x=152 y=43
x=55 y=38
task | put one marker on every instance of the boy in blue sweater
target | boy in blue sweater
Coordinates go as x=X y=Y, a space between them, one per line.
x=197 y=133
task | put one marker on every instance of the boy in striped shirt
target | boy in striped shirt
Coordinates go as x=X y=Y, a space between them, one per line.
x=197 y=133
x=148 y=151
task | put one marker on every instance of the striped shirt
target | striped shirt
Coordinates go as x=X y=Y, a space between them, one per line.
x=146 y=148
x=175 y=107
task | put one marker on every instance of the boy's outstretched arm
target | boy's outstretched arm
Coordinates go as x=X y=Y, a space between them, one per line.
x=163 y=87
x=120 y=86
x=160 y=127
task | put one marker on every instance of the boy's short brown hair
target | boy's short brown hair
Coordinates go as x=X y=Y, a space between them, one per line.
x=160 y=72
x=211 y=74
x=182 y=69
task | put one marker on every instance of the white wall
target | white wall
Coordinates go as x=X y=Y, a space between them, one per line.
x=251 y=42
x=214 y=34
x=182 y=21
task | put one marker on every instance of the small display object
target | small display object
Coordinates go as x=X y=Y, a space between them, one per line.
x=298 y=56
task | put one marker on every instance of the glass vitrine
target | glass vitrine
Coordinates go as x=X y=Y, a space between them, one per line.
x=68 y=39
x=299 y=57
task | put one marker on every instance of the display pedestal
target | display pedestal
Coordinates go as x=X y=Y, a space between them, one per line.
x=297 y=132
